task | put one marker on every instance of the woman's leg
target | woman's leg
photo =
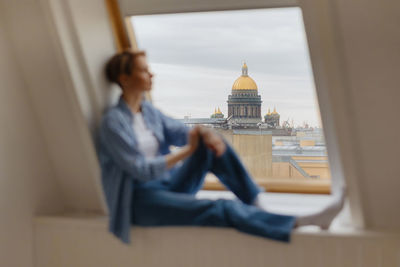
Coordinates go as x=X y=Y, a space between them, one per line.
x=162 y=208
x=232 y=173
x=189 y=178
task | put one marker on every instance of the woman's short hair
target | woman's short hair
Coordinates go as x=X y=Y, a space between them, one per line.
x=121 y=63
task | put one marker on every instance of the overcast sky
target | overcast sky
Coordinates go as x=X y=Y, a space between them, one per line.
x=196 y=57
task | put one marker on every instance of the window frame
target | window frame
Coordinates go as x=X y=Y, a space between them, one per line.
x=122 y=10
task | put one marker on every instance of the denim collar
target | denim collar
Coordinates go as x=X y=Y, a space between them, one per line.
x=127 y=111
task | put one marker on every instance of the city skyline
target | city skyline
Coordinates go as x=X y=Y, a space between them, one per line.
x=194 y=74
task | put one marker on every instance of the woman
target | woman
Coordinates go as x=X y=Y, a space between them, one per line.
x=143 y=183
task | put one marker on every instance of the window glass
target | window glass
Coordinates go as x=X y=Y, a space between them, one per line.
x=247 y=74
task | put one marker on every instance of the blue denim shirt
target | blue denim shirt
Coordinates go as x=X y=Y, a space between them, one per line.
x=122 y=163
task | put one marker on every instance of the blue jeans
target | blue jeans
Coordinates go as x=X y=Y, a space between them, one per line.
x=173 y=202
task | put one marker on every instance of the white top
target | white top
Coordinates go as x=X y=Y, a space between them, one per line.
x=147 y=142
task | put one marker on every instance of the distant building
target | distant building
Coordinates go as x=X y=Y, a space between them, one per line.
x=272 y=119
x=244 y=110
x=217 y=114
x=267 y=156
x=244 y=104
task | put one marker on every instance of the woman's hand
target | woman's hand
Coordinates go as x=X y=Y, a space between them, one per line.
x=186 y=151
x=194 y=137
x=212 y=140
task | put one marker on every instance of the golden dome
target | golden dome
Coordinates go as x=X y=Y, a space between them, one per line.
x=244 y=82
x=269 y=112
x=274 y=112
x=219 y=111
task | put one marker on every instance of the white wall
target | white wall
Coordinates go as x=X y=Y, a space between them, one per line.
x=52 y=89
x=370 y=41
x=83 y=32
x=27 y=184
x=47 y=158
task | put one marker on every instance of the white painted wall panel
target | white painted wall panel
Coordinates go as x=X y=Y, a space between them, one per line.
x=27 y=184
x=51 y=91
x=370 y=41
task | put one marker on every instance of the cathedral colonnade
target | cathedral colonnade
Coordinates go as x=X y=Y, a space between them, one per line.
x=244 y=111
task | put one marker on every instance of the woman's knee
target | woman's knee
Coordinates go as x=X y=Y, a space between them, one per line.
x=203 y=152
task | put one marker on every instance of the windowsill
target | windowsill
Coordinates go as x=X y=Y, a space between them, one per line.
x=293 y=204
x=84 y=239
x=99 y=223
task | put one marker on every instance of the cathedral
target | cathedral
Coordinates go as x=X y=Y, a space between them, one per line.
x=244 y=105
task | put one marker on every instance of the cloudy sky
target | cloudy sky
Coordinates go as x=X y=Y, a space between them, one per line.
x=196 y=57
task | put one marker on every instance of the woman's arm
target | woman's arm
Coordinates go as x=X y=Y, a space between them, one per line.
x=175 y=132
x=187 y=150
x=117 y=142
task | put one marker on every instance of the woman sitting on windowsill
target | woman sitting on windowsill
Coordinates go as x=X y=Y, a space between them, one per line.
x=144 y=185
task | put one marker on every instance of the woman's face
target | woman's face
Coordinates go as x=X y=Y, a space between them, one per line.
x=140 y=78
